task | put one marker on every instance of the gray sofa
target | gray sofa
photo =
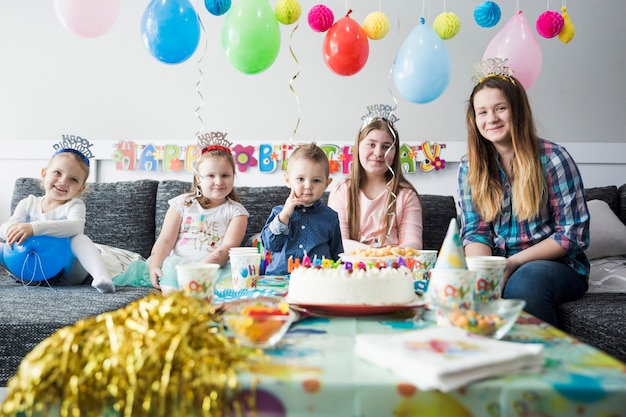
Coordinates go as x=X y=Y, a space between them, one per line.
x=128 y=215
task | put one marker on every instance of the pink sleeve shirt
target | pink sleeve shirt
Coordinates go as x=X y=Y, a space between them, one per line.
x=407 y=229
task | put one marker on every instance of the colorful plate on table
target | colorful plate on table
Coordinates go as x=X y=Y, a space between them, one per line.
x=226 y=295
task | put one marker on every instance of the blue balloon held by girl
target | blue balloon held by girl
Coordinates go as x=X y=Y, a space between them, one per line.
x=39 y=258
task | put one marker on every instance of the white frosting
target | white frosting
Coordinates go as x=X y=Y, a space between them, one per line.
x=338 y=286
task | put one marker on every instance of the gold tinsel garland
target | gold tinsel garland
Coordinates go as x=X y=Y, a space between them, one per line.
x=158 y=356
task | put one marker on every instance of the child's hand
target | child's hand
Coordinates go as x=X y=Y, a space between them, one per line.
x=290 y=205
x=19 y=232
x=155 y=274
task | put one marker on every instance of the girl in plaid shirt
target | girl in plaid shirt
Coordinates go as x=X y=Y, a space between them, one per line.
x=523 y=198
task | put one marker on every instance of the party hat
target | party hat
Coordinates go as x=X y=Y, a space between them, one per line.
x=451 y=254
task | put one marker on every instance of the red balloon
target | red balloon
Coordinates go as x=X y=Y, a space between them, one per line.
x=346 y=47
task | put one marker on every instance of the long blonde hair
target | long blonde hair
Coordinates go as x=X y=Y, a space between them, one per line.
x=396 y=179
x=529 y=186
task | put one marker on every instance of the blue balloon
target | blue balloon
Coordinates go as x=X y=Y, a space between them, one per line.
x=421 y=70
x=170 y=30
x=38 y=258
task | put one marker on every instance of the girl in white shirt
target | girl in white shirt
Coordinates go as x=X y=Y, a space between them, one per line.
x=60 y=213
x=200 y=226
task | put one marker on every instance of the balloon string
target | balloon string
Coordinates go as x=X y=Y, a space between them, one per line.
x=295 y=129
x=197 y=111
x=38 y=264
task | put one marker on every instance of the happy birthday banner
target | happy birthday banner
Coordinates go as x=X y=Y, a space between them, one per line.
x=265 y=158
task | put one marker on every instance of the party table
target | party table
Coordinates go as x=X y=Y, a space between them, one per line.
x=314 y=372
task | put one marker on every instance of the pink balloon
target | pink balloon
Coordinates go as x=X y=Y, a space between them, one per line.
x=88 y=19
x=516 y=42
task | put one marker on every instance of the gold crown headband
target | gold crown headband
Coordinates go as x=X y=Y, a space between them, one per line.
x=492 y=67
x=379 y=111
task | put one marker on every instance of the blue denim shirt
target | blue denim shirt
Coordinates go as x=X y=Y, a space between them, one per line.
x=313 y=230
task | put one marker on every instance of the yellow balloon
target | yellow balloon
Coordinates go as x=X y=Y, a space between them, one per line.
x=568 y=31
x=376 y=25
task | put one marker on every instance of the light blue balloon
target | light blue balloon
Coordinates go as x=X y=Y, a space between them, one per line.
x=170 y=30
x=421 y=70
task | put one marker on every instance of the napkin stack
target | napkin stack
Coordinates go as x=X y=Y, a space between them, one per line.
x=446 y=358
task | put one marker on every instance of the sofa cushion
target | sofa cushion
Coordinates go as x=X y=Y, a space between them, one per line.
x=116 y=259
x=259 y=202
x=119 y=214
x=438 y=210
x=622 y=203
x=607 y=234
x=167 y=190
x=608 y=194
x=597 y=319
x=608 y=275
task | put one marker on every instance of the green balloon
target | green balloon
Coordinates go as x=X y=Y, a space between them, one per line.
x=251 y=36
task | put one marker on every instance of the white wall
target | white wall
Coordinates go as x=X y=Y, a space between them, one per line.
x=110 y=88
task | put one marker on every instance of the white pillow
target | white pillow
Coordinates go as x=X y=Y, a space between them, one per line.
x=607 y=234
x=116 y=259
x=608 y=275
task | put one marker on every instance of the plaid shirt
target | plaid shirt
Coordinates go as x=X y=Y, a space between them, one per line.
x=564 y=218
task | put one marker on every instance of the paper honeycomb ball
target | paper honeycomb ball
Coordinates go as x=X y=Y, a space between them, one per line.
x=320 y=18
x=487 y=14
x=376 y=25
x=549 y=24
x=568 y=31
x=447 y=25
x=288 y=11
x=217 y=7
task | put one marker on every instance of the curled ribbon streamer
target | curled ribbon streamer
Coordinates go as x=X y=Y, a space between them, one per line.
x=295 y=129
x=197 y=111
x=392 y=196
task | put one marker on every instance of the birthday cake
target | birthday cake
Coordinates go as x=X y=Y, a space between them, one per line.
x=371 y=284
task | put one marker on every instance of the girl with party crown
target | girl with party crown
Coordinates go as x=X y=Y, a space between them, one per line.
x=521 y=197
x=377 y=205
x=60 y=213
x=199 y=226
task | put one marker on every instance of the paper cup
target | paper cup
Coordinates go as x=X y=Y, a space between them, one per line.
x=452 y=287
x=198 y=280
x=245 y=266
x=424 y=263
x=489 y=274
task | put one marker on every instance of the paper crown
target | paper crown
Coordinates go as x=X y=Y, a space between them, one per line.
x=76 y=145
x=492 y=67
x=451 y=255
x=379 y=111
x=213 y=141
